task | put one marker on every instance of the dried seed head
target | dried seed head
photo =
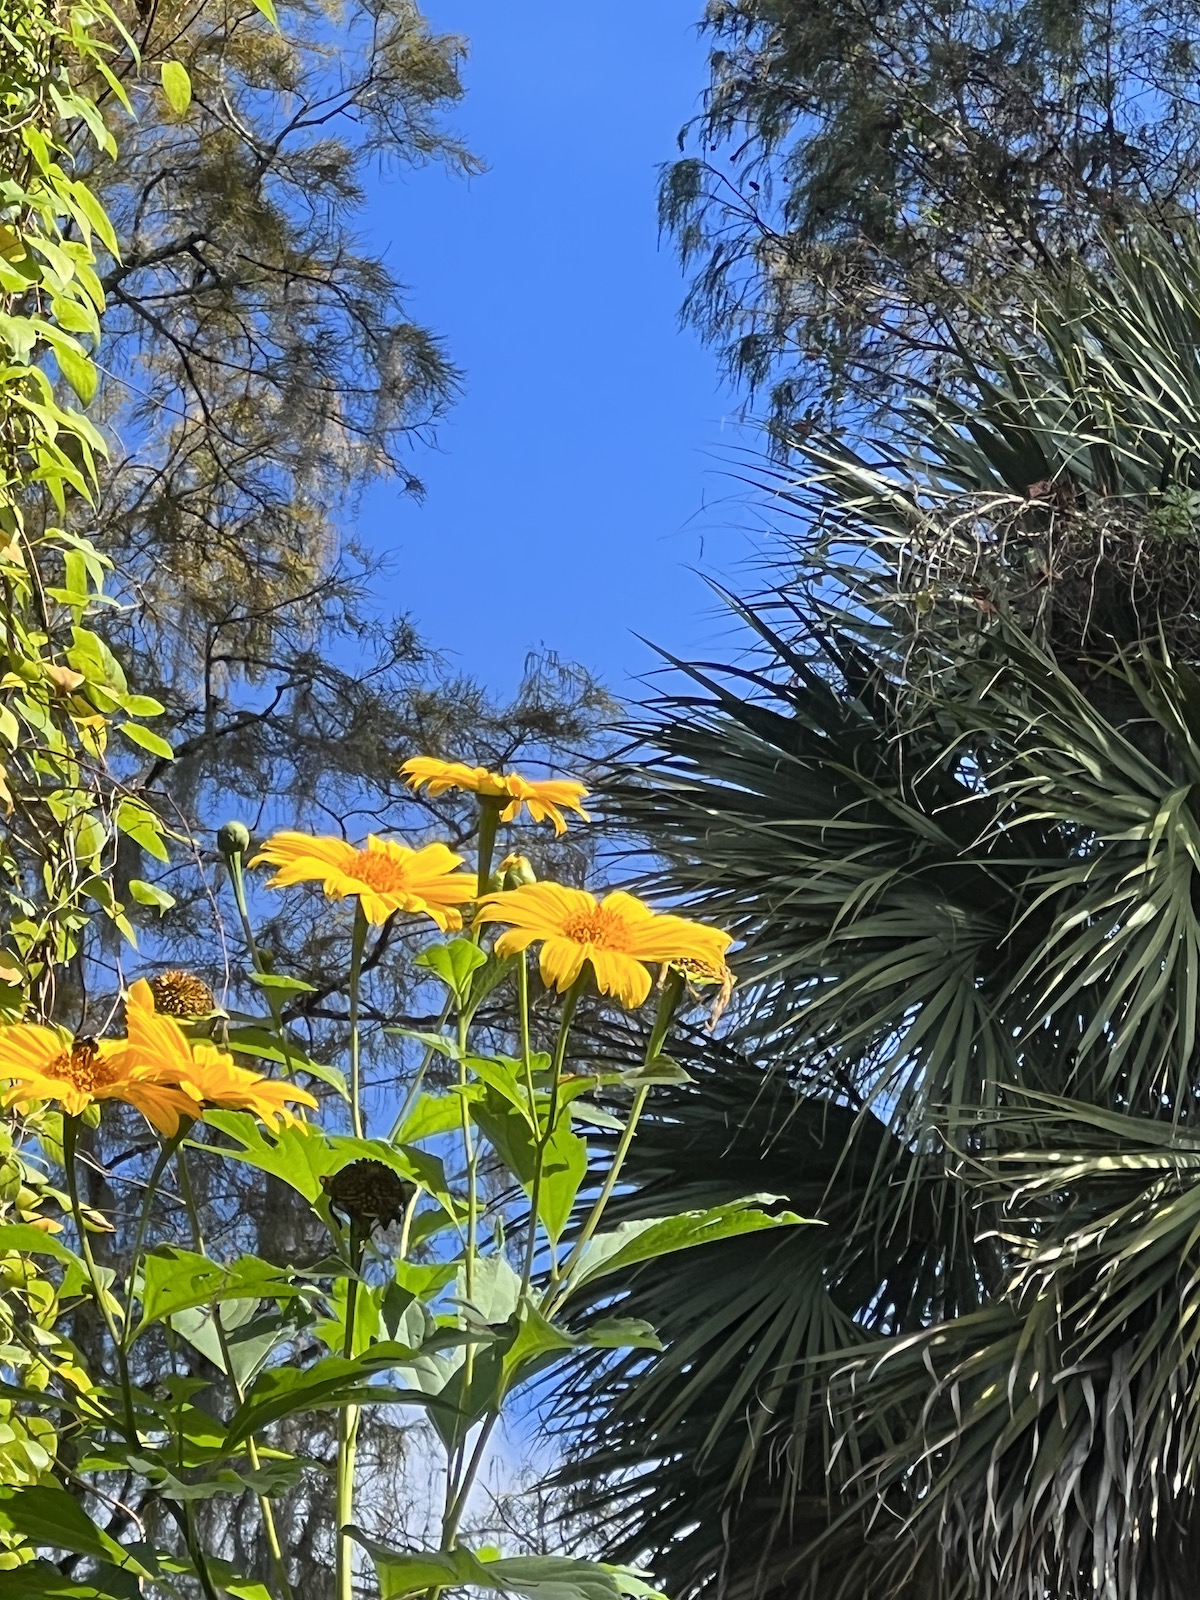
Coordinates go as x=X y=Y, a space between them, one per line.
x=368 y=1192
x=182 y=995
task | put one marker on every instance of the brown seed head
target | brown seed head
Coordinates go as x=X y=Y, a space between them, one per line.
x=368 y=1192
x=182 y=995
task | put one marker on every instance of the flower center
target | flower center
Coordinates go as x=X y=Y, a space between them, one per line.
x=82 y=1066
x=604 y=929
x=381 y=872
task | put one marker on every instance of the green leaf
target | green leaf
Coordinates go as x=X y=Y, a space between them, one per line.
x=177 y=86
x=279 y=983
x=78 y=369
x=495 y=1289
x=142 y=705
x=174 y=1280
x=154 y=743
x=23 y=1236
x=622 y=1333
x=248 y=1338
x=431 y=1115
x=408 y=1572
x=267 y=9
x=149 y=894
x=49 y=1518
x=660 y=1070
x=564 y=1167
x=40 y=1580
x=538 y=1344
x=645 y=1241
x=140 y=824
x=299 y=1156
x=330 y=1383
x=454 y=964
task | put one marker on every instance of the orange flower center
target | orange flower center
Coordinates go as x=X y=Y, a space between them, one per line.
x=82 y=1066
x=380 y=872
x=604 y=929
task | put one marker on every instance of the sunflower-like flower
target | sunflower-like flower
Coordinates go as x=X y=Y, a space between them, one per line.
x=183 y=995
x=47 y=1064
x=208 y=1075
x=545 y=799
x=617 y=936
x=385 y=875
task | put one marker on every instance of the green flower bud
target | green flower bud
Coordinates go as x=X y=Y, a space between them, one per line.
x=233 y=839
x=516 y=872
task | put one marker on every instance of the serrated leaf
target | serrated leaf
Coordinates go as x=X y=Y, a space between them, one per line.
x=329 y=1384
x=454 y=963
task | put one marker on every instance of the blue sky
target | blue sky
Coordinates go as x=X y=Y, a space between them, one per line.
x=587 y=466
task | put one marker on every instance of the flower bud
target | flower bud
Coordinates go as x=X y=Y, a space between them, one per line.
x=233 y=839
x=516 y=872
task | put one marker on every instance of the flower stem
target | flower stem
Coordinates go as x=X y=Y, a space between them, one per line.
x=270 y=1530
x=535 y=1189
x=414 y=1088
x=570 y=1003
x=357 y=946
x=234 y=863
x=166 y=1151
x=669 y=998
x=347 y=1440
x=489 y=824
x=99 y=1293
x=592 y=1221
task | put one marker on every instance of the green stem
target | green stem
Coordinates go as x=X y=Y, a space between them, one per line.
x=357 y=946
x=592 y=1221
x=165 y=1153
x=266 y=1512
x=469 y=1153
x=347 y=1440
x=234 y=863
x=560 y=1051
x=196 y=1551
x=672 y=992
x=70 y=1132
x=527 y=1067
x=458 y=1503
x=489 y=826
x=410 y=1212
x=460 y=1482
x=414 y=1088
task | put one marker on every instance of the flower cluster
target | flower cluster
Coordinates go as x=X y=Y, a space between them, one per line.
x=618 y=939
x=168 y=1077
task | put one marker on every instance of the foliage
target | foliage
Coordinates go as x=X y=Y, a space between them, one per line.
x=262 y=370
x=957 y=834
x=449 y=1317
x=855 y=171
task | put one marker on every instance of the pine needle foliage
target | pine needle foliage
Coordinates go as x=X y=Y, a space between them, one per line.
x=854 y=170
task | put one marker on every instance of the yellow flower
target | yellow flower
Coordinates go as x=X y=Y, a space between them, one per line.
x=547 y=799
x=221 y=1083
x=45 y=1064
x=202 y=1071
x=386 y=876
x=617 y=936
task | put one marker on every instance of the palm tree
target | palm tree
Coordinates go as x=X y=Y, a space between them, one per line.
x=949 y=799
